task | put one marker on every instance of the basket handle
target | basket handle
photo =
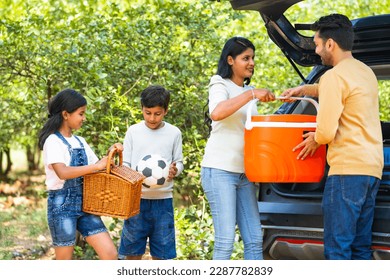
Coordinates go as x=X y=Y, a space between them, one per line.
x=248 y=122
x=111 y=154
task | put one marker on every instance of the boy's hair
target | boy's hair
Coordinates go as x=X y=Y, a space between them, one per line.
x=233 y=47
x=67 y=100
x=337 y=27
x=156 y=95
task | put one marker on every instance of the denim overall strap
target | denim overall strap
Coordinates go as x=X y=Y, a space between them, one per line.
x=59 y=135
x=78 y=157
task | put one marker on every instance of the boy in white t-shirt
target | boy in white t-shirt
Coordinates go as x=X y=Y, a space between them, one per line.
x=155 y=221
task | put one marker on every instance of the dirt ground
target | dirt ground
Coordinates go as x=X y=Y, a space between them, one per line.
x=23 y=197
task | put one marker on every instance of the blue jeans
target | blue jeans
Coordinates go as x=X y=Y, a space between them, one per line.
x=233 y=201
x=156 y=222
x=65 y=216
x=348 y=207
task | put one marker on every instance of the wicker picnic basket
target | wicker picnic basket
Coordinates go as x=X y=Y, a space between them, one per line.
x=114 y=192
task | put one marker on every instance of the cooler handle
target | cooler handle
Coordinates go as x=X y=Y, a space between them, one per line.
x=248 y=122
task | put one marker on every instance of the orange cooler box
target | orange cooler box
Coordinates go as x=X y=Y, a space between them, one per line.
x=269 y=140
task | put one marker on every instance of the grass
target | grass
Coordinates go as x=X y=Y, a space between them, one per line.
x=23 y=232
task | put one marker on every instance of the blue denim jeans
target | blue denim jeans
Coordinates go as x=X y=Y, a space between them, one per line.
x=65 y=216
x=156 y=222
x=348 y=207
x=233 y=201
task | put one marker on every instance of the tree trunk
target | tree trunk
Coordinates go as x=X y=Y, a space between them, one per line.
x=4 y=172
x=33 y=158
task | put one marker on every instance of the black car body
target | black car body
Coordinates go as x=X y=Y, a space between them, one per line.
x=291 y=212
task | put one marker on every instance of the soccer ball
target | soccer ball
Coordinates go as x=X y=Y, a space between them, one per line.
x=156 y=170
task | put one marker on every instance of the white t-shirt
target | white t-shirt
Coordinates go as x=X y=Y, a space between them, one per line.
x=225 y=147
x=165 y=141
x=55 y=151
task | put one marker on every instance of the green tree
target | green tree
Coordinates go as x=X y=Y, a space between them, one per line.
x=111 y=50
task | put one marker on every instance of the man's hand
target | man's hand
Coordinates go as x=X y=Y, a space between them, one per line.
x=292 y=92
x=309 y=146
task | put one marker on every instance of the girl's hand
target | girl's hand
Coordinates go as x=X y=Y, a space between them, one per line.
x=172 y=171
x=102 y=164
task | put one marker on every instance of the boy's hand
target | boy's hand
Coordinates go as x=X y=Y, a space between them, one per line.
x=172 y=171
x=117 y=146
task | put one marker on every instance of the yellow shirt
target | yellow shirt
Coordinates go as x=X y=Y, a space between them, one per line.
x=348 y=119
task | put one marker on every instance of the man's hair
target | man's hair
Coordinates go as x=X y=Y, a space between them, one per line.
x=154 y=96
x=337 y=27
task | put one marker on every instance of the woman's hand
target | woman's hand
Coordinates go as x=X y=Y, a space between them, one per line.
x=264 y=95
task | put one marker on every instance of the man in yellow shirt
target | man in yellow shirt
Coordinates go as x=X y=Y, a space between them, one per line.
x=348 y=122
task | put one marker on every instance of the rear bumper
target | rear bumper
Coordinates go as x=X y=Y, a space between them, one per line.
x=293 y=243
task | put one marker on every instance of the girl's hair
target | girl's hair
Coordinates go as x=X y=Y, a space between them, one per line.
x=233 y=47
x=67 y=100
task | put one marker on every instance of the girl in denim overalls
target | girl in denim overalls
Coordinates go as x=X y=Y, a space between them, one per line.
x=67 y=159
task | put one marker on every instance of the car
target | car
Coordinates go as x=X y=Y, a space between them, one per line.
x=291 y=213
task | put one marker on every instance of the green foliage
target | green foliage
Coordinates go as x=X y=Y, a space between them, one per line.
x=195 y=234
x=111 y=50
x=84 y=252
x=384 y=100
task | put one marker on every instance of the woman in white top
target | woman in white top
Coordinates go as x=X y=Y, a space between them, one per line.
x=231 y=196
